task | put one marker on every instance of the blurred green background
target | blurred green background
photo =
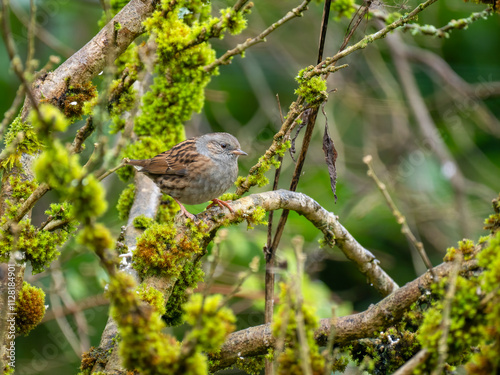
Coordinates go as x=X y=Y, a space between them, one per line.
x=368 y=114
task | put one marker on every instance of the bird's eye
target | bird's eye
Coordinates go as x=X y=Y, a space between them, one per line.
x=223 y=145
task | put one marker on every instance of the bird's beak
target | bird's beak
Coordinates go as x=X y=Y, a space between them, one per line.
x=239 y=152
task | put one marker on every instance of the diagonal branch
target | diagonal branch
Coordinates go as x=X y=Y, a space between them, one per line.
x=326 y=222
x=240 y=48
x=92 y=58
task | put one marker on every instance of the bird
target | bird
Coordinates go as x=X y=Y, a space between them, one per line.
x=196 y=170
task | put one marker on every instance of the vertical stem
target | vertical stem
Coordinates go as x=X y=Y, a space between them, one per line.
x=269 y=255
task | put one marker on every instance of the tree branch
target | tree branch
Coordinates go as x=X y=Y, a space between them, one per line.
x=91 y=59
x=326 y=222
x=240 y=48
x=257 y=340
x=146 y=202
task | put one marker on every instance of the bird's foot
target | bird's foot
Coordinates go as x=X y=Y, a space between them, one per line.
x=184 y=212
x=220 y=203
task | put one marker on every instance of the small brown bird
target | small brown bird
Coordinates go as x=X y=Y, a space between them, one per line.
x=196 y=170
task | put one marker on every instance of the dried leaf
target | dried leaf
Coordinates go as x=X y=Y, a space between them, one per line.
x=330 y=157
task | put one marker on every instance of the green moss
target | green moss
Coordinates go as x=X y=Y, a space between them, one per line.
x=289 y=359
x=343 y=8
x=160 y=252
x=228 y=197
x=257 y=176
x=153 y=297
x=167 y=210
x=492 y=223
x=143 y=346
x=140 y=327
x=188 y=280
x=465 y=248
x=57 y=167
x=71 y=102
x=257 y=217
x=233 y=21
x=21 y=190
x=88 y=197
x=29 y=143
x=393 y=17
x=122 y=95
x=38 y=247
x=92 y=357
x=142 y=222
x=52 y=119
x=60 y=211
x=30 y=308
x=313 y=89
x=97 y=237
x=211 y=322
x=125 y=201
x=387 y=352
x=251 y=365
x=465 y=319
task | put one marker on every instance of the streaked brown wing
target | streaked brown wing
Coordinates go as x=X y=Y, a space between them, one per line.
x=160 y=165
x=175 y=161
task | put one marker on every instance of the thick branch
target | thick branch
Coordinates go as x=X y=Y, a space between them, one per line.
x=257 y=340
x=325 y=221
x=103 y=49
x=146 y=202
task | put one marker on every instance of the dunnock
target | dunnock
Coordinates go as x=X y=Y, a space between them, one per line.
x=196 y=170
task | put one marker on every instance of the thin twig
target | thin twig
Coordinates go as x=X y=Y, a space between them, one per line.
x=82 y=134
x=112 y=170
x=324 y=28
x=42 y=34
x=441 y=32
x=429 y=129
x=27 y=205
x=280 y=340
x=400 y=218
x=409 y=367
x=31 y=37
x=310 y=119
x=60 y=288
x=82 y=305
x=363 y=43
x=252 y=268
x=304 y=351
x=296 y=109
x=240 y=48
x=446 y=320
x=269 y=255
x=12 y=147
x=15 y=60
x=360 y=14
x=11 y=112
x=329 y=344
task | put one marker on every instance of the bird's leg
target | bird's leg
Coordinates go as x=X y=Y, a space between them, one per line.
x=220 y=203
x=184 y=211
